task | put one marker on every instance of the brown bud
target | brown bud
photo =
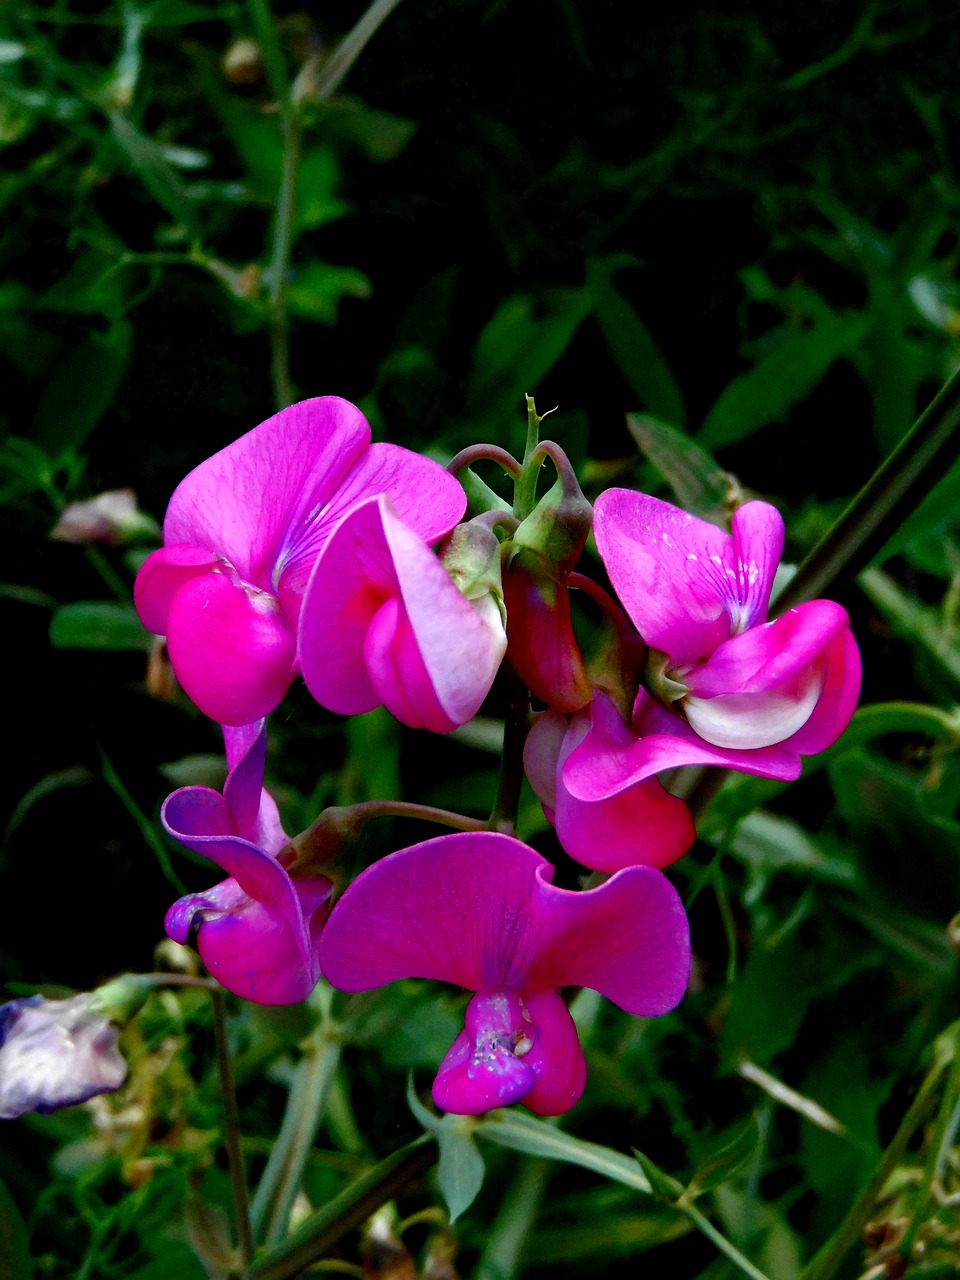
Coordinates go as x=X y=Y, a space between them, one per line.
x=242 y=63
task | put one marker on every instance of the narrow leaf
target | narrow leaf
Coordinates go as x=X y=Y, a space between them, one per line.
x=537 y=1138
x=98 y=624
x=699 y=485
x=725 y=1163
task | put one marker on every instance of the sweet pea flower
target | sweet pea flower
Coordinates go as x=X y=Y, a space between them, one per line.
x=384 y=624
x=723 y=685
x=56 y=1053
x=640 y=825
x=241 y=536
x=257 y=930
x=478 y=910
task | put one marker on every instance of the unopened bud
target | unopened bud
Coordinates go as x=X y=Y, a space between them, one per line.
x=242 y=63
x=110 y=519
x=471 y=556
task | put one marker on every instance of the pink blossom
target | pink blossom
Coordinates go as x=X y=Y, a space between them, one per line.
x=243 y=532
x=642 y=824
x=478 y=910
x=384 y=624
x=257 y=931
x=723 y=685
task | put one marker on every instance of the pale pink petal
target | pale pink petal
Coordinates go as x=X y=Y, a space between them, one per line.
x=383 y=622
x=455 y=908
x=627 y=939
x=541 y=754
x=231 y=649
x=748 y=721
x=674 y=573
x=162 y=575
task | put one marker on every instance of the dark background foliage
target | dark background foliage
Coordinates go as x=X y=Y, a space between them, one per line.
x=741 y=222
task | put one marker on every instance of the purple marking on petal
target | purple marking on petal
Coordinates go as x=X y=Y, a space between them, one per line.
x=757 y=530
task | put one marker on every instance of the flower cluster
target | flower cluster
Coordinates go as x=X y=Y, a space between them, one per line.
x=303 y=549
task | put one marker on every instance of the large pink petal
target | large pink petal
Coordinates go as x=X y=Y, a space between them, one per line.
x=398 y=672
x=231 y=649
x=455 y=908
x=556 y=1056
x=627 y=939
x=162 y=575
x=674 y=573
x=251 y=502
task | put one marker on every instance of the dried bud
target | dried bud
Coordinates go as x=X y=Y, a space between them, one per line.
x=111 y=518
x=242 y=63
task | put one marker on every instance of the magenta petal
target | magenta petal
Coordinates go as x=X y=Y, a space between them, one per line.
x=251 y=502
x=556 y=1056
x=770 y=654
x=674 y=573
x=838 y=697
x=161 y=576
x=267 y=956
x=664 y=741
x=231 y=649
x=454 y=908
x=627 y=939
x=482 y=1069
x=758 y=538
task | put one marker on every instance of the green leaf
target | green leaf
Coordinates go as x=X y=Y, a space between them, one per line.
x=698 y=484
x=317 y=288
x=519 y=346
x=461 y=1168
x=636 y=353
x=154 y=170
x=82 y=388
x=98 y=624
x=538 y=1138
x=779 y=380
x=726 y=1162
x=662 y=1184
x=15 y=1260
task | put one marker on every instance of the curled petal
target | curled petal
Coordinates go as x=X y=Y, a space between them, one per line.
x=757 y=530
x=641 y=825
x=515 y=1048
x=162 y=575
x=838 y=697
x=383 y=622
x=232 y=649
x=663 y=740
x=258 y=951
x=478 y=910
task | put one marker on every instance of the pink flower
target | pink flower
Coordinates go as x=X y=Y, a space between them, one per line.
x=243 y=532
x=723 y=685
x=257 y=932
x=478 y=910
x=641 y=824
x=384 y=624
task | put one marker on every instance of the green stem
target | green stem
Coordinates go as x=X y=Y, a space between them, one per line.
x=238 y=1183
x=921 y=458
x=717 y=1238
x=273 y=1201
x=350 y=47
x=516 y=725
x=525 y=489
x=508 y=1235
x=369 y=809
x=829 y=1257
x=345 y=1212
